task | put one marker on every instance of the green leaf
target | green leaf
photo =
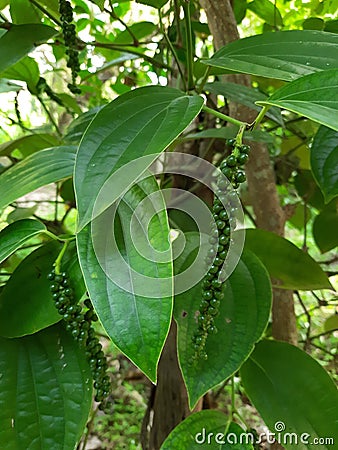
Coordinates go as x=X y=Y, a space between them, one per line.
x=26 y=304
x=331 y=323
x=15 y=235
x=244 y=95
x=207 y=428
x=99 y=3
x=290 y=388
x=244 y=313
x=23 y=11
x=285 y=55
x=144 y=121
x=154 y=3
x=325 y=227
x=25 y=70
x=46 y=166
x=286 y=262
x=21 y=213
x=266 y=11
x=45 y=391
x=28 y=144
x=52 y=5
x=140 y=30
x=314 y=23
x=137 y=324
x=314 y=96
x=79 y=125
x=20 y=40
x=239 y=7
x=324 y=161
x=8 y=86
x=308 y=189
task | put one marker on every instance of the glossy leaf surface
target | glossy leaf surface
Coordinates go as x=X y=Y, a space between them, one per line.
x=142 y=122
x=19 y=40
x=292 y=392
x=45 y=391
x=286 y=262
x=137 y=324
x=27 y=292
x=47 y=166
x=206 y=428
x=324 y=161
x=285 y=55
x=244 y=313
x=314 y=96
x=15 y=235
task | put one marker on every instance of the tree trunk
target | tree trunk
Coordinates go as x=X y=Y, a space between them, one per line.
x=168 y=404
x=261 y=178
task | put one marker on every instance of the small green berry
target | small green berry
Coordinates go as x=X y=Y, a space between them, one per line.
x=231 y=161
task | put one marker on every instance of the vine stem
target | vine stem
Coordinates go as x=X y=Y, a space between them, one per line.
x=58 y=260
x=224 y=117
x=46 y=12
x=50 y=117
x=259 y=118
x=190 y=56
x=204 y=79
x=172 y=48
x=116 y=17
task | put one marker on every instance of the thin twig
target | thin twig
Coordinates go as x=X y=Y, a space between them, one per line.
x=46 y=12
x=306 y=312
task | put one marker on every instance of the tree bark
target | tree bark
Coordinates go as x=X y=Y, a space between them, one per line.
x=260 y=174
x=168 y=404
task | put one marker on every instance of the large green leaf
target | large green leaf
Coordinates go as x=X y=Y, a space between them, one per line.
x=325 y=227
x=285 y=55
x=46 y=166
x=137 y=324
x=19 y=40
x=267 y=11
x=16 y=234
x=244 y=95
x=208 y=428
x=314 y=96
x=45 y=391
x=244 y=313
x=142 y=122
x=26 y=304
x=286 y=262
x=293 y=394
x=324 y=161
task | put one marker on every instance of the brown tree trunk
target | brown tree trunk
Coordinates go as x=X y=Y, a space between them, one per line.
x=169 y=401
x=261 y=178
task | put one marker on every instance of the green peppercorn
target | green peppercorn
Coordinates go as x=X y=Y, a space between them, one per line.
x=240 y=177
x=244 y=149
x=231 y=161
x=242 y=158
